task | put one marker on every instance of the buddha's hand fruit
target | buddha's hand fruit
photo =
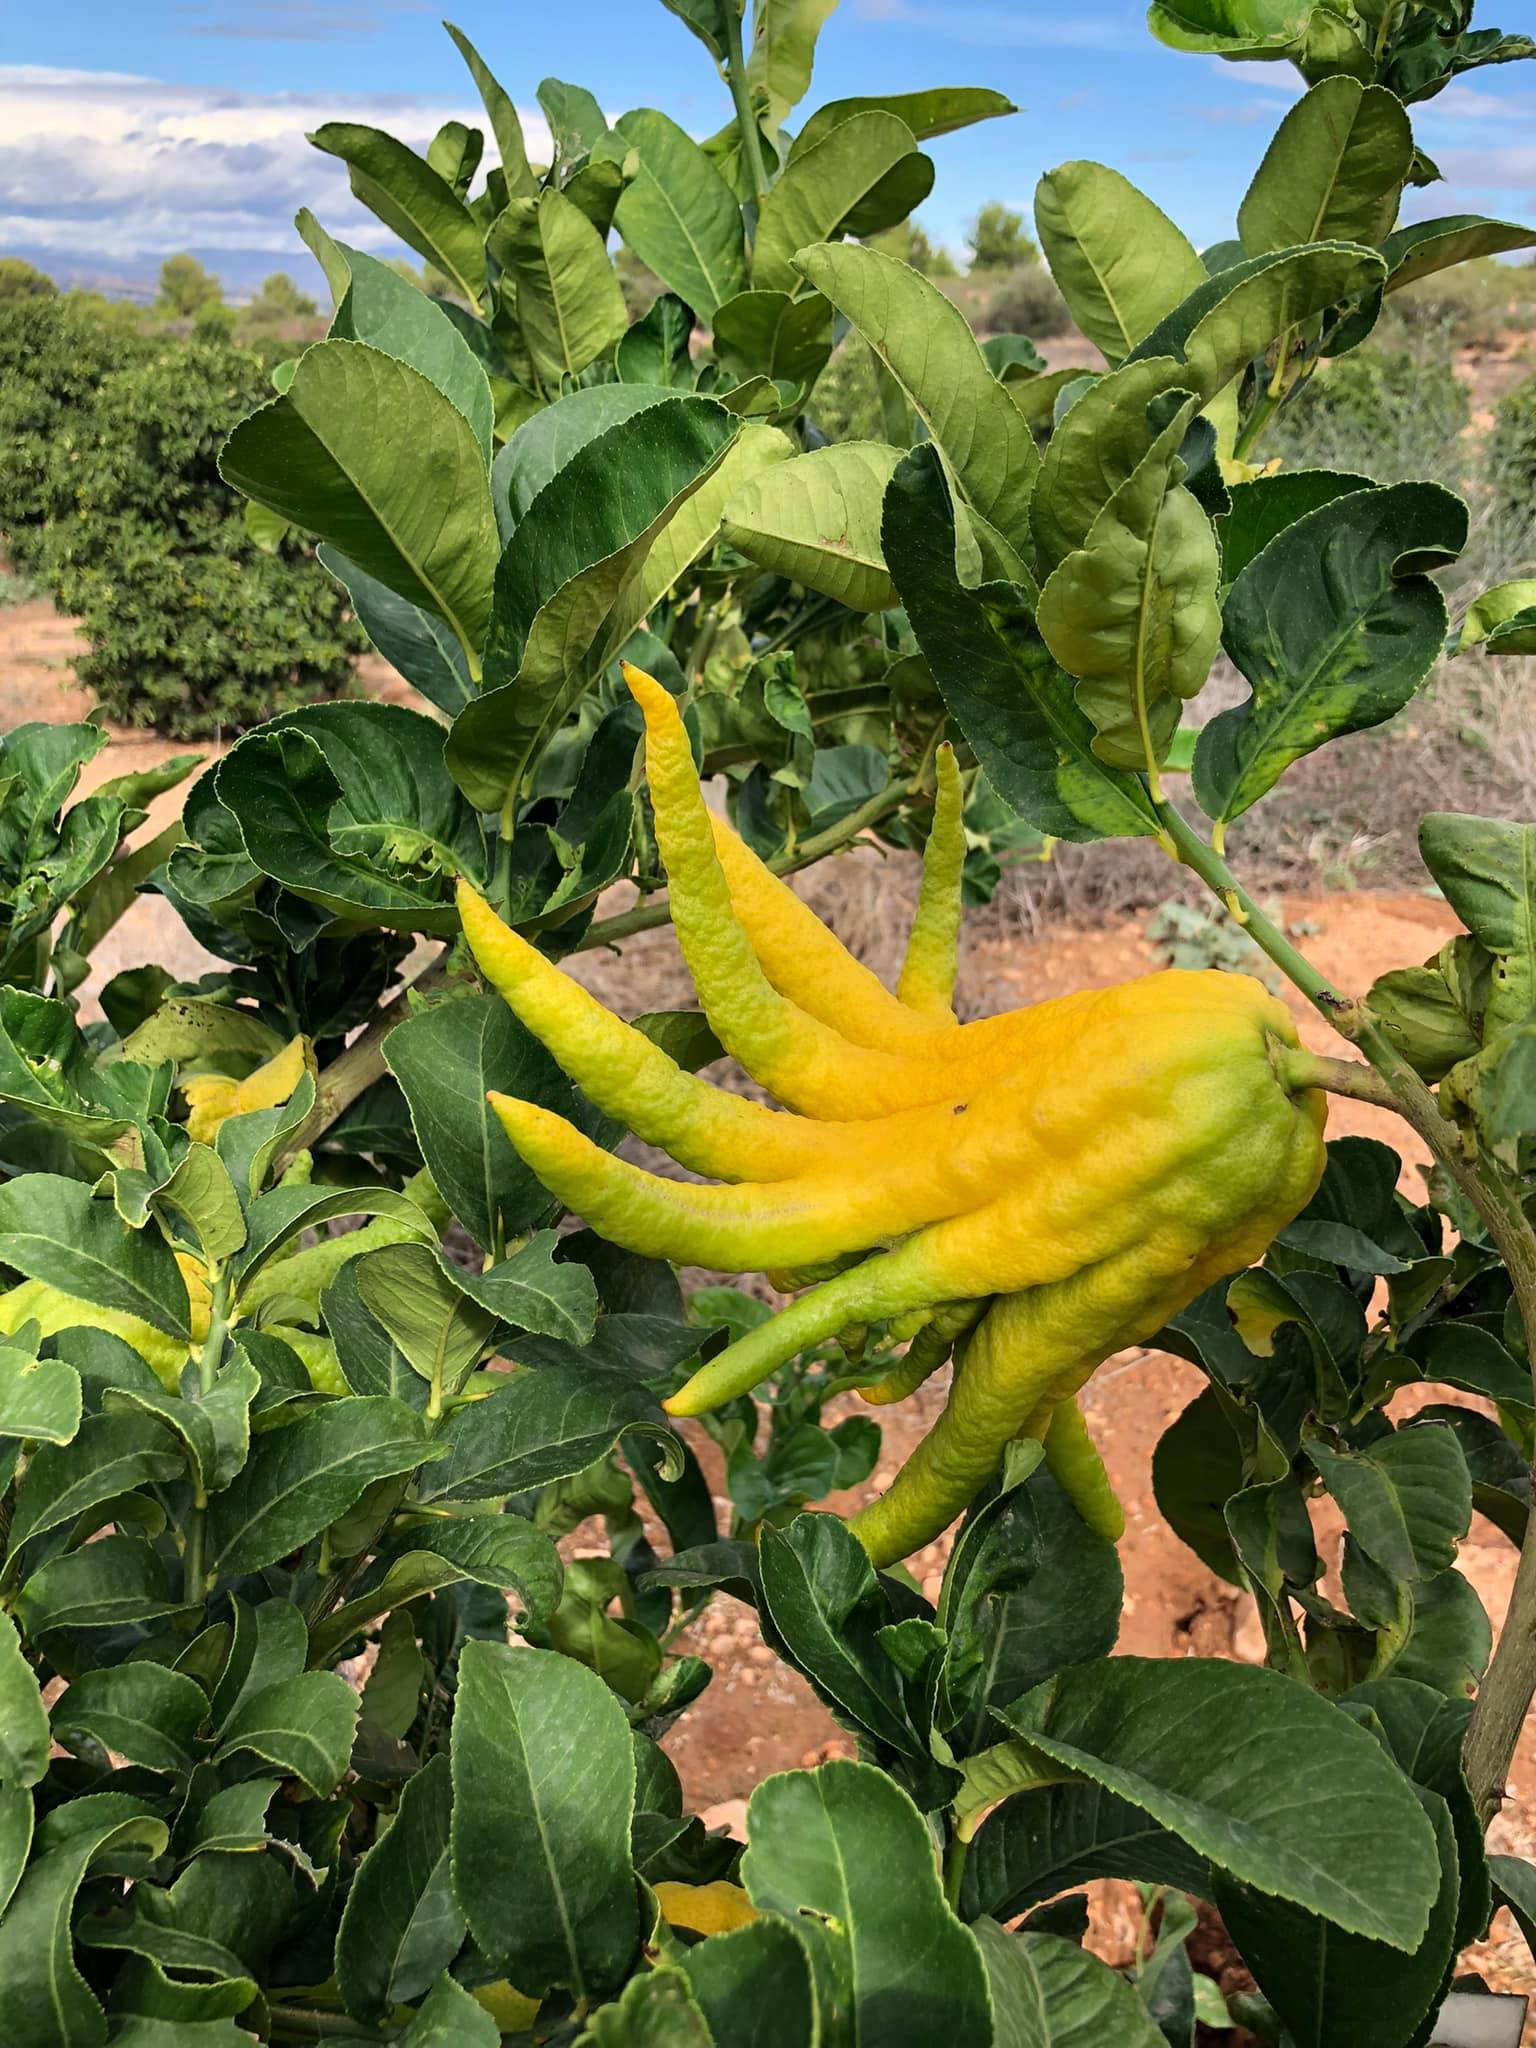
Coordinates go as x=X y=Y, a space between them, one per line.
x=1046 y=1186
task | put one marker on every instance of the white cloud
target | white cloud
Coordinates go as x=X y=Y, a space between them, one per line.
x=111 y=169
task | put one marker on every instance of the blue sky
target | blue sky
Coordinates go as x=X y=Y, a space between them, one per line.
x=129 y=131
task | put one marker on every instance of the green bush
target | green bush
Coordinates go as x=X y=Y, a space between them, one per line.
x=54 y=357
x=110 y=490
x=1389 y=414
x=1514 y=441
x=1022 y=300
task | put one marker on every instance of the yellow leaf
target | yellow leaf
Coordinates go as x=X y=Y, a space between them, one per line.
x=705 y=1908
x=35 y=1301
x=213 y=1098
x=513 y=2013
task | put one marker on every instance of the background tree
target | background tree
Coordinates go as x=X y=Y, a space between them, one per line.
x=997 y=240
x=280 y=299
x=22 y=280
x=187 y=290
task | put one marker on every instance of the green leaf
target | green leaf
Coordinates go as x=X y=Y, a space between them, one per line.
x=821 y=185
x=923 y=340
x=783 y=52
x=45 y=1070
x=1333 y=173
x=677 y=213
x=112 y=1454
x=111 y=1583
x=655 y=351
x=420 y=646
x=1048 y=1992
x=53 y=1229
x=303 y=1725
x=1265 y=506
x=284 y=1213
x=401 y=1926
x=1048 y=1840
x=1008 y=697
x=754 y=1986
x=411 y=199
x=214 y=1428
x=446 y=1059
x=707 y=20
x=563 y=570
x=569 y=305
x=543 y=445
x=269 y=1643
x=1197 y=1466
x=844 y=1855
x=1502 y=619
x=693 y=528
x=351 y=807
x=502 y=114
x=502 y=1551
x=1209 y=1749
x=1119 y=261
x=300 y=1478
x=377 y=305
x=576 y=120
x=44 y=2000
x=542 y=1757
x=142 y=1711
x=816 y=520
x=1425 y=246
x=15 y=1838
x=1487 y=871
x=656 y=2010
x=541 y=1426
x=534 y=1291
x=1329 y=1986
x=1407 y=1498
x=823 y=1598
x=1028 y=1588
x=1335 y=625
x=344 y=453
x=413 y=1297
x=1235 y=315
x=773 y=334
x=938 y=110
x=451 y=2018
x=24 y=1734
x=39 y=1397
x=1133 y=613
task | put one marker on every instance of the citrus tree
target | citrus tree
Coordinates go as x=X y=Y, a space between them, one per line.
x=308 y=1730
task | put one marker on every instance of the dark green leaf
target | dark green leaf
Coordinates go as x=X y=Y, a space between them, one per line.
x=24 y=1733
x=40 y=1398
x=1028 y=1589
x=1332 y=1986
x=1205 y=1748
x=344 y=452
x=561 y=574
x=411 y=199
x=1335 y=625
x=302 y=1477
x=303 y=1725
x=844 y=1856
x=351 y=807
x=753 y=1986
x=401 y=1927
x=542 y=1756
x=421 y=646
x=541 y=1426
x=1010 y=700
x=1047 y=1992
x=1407 y=1498
x=142 y=1711
x=1267 y=505
x=1039 y=1843
x=107 y=1584
x=55 y=1230
x=111 y=1455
